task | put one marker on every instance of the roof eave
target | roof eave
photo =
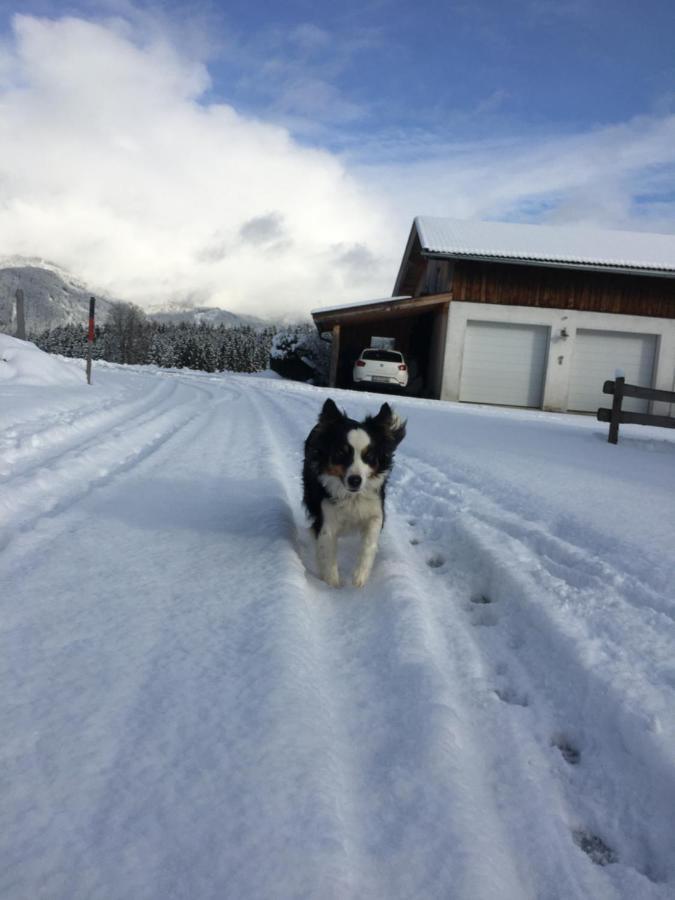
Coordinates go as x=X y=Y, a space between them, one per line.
x=552 y=264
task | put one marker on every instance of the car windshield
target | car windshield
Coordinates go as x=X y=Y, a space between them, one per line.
x=382 y=355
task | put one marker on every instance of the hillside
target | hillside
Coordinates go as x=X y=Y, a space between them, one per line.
x=55 y=297
x=210 y=315
x=52 y=295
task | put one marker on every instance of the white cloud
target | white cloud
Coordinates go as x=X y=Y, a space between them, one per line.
x=598 y=178
x=112 y=167
x=115 y=166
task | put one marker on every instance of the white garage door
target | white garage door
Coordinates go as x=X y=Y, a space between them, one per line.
x=597 y=354
x=504 y=364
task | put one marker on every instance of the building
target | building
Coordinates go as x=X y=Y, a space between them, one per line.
x=522 y=315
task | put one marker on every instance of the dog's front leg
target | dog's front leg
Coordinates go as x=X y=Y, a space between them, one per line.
x=371 y=536
x=326 y=554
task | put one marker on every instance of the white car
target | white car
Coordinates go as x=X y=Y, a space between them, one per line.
x=377 y=366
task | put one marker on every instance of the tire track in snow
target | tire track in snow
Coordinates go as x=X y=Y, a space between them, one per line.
x=35 y=446
x=311 y=676
x=504 y=698
x=561 y=553
x=402 y=727
x=49 y=490
x=532 y=652
x=561 y=812
x=258 y=638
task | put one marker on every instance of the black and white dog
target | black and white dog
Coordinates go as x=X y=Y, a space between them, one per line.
x=346 y=467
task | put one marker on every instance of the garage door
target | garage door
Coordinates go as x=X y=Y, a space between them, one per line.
x=504 y=364
x=597 y=354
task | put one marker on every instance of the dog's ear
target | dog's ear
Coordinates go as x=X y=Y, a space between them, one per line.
x=391 y=422
x=330 y=413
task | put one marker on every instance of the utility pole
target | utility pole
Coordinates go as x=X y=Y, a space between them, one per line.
x=90 y=336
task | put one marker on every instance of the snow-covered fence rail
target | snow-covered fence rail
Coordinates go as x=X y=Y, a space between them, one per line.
x=617 y=416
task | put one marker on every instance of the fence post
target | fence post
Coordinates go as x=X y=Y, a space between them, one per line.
x=619 y=382
x=20 y=316
x=334 y=357
x=90 y=336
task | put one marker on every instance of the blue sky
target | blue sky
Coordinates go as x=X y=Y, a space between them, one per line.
x=464 y=70
x=526 y=111
x=449 y=70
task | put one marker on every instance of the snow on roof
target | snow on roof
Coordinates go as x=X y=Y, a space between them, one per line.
x=379 y=301
x=580 y=246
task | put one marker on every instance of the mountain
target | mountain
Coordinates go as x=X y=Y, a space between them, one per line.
x=174 y=313
x=52 y=296
x=55 y=297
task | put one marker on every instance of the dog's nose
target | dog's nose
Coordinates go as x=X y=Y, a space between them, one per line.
x=354 y=482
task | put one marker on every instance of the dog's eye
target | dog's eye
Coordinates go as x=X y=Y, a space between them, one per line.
x=369 y=457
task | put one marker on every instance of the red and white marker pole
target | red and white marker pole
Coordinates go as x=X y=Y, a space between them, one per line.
x=90 y=336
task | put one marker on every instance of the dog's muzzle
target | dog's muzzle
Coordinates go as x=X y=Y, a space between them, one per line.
x=354 y=482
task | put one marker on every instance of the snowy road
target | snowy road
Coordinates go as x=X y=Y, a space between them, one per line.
x=188 y=712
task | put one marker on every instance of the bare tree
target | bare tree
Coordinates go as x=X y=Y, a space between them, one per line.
x=128 y=332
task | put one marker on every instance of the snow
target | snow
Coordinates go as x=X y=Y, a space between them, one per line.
x=575 y=245
x=23 y=363
x=187 y=711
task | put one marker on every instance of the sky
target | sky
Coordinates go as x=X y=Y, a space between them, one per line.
x=269 y=158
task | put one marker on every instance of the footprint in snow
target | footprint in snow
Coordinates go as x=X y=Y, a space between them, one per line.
x=436 y=561
x=480 y=615
x=567 y=750
x=594 y=847
x=414 y=541
x=507 y=695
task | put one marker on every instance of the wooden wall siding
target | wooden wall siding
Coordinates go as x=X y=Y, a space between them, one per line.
x=520 y=285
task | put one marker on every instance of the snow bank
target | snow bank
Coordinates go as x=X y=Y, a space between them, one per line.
x=23 y=363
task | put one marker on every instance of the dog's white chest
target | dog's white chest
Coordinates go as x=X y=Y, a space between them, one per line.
x=351 y=512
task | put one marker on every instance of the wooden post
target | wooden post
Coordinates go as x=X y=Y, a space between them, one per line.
x=90 y=336
x=334 y=356
x=615 y=418
x=20 y=316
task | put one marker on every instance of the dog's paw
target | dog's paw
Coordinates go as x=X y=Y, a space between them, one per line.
x=332 y=579
x=360 y=578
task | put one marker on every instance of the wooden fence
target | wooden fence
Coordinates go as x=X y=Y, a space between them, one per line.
x=617 y=416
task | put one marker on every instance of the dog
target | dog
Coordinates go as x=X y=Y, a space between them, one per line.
x=344 y=476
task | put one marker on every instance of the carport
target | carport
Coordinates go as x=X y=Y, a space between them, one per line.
x=417 y=326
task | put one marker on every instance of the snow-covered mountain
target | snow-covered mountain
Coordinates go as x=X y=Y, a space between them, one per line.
x=52 y=295
x=210 y=315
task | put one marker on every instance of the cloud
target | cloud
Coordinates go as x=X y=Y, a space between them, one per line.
x=116 y=164
x=611 y=176
x=295 y=74
x=262 y=230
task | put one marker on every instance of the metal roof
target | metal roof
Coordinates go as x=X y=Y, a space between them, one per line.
x=565 y=245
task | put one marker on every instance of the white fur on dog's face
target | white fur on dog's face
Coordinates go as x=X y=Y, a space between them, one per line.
x=360 y=441
x=338 y=486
